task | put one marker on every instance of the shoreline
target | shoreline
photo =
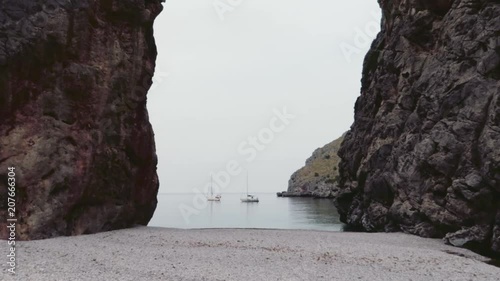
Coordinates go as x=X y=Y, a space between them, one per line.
x=155 y=253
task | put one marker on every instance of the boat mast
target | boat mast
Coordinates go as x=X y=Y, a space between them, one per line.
x=211 y=185
x=247 y=183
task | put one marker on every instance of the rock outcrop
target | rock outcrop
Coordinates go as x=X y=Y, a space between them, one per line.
x=73 y=82
x=319 y=176
x=423 y=155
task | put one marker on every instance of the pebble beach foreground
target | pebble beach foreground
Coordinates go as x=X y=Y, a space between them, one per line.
x=147 y=253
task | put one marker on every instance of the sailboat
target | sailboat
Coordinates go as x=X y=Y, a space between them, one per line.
x=211 y=197
x=249 y=198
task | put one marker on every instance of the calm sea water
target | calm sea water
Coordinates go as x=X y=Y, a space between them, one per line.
x=270 y=212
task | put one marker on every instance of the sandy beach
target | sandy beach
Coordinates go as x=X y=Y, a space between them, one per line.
x=147 y=253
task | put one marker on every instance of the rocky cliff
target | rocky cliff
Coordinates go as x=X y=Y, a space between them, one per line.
x=319 y=176
x=73 y=82
x=423 y=155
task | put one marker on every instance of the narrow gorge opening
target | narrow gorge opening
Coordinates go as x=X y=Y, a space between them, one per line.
x=226 y=70
x=243 y=92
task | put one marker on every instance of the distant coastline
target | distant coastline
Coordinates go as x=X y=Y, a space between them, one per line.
x=319 y=176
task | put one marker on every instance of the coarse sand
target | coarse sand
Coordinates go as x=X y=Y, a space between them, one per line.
x=149 y=253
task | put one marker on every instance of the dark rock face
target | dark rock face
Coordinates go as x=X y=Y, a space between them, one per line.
x=318 y=178
x=423 y=155
x=73 y=82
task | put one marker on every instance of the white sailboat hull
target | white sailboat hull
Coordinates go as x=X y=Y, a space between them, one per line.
x=249 y=198
x=253 y=200
x=211 y=197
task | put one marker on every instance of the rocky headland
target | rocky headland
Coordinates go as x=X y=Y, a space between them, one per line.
x=319 y=176
x=423 y=154
x=73 y=82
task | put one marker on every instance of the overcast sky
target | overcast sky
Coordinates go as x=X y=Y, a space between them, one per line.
x=253 y=85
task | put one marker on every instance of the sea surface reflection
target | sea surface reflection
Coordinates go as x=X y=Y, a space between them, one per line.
x=178 y=211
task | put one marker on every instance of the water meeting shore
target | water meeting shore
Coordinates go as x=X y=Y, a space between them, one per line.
x=149 y=253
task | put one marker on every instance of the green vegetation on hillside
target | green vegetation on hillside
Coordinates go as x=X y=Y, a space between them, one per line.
x=320 y=173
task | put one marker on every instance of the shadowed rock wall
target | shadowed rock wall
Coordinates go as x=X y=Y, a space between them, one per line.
x=423 y=155
x=73 y=82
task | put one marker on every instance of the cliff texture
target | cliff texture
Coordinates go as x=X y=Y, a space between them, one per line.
x=423 y=155
x=319 y=176
x=73 y=82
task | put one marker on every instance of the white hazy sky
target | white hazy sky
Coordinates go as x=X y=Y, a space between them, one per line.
x=219 y=80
